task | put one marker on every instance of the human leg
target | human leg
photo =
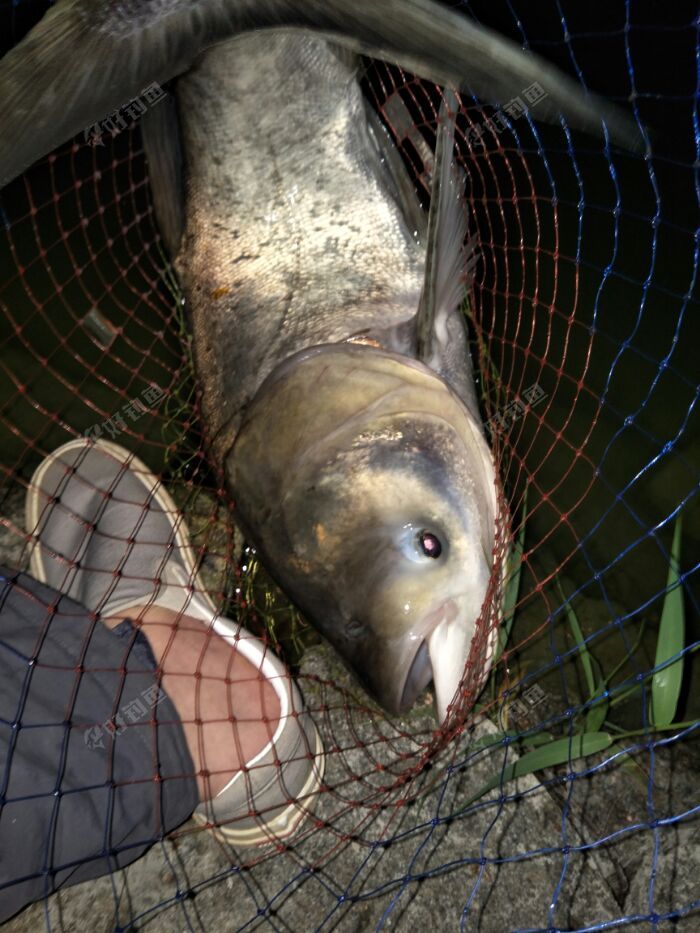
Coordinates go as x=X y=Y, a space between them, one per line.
x=94 y=762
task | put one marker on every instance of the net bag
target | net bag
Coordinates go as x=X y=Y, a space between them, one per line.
x=562 y=792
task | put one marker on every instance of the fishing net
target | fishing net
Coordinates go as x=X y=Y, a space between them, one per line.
x=562 y=795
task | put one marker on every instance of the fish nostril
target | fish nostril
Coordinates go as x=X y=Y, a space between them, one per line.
x=355 y=628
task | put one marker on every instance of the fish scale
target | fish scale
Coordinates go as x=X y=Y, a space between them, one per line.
x=289 y=216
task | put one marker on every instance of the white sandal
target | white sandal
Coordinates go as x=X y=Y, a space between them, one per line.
x=107 y=533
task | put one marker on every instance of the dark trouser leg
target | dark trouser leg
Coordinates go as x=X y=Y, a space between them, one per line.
x=94 y=767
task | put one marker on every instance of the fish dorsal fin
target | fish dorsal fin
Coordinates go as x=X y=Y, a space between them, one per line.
x=448 y=260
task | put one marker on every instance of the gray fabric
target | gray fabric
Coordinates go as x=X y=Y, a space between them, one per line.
x=76 y=799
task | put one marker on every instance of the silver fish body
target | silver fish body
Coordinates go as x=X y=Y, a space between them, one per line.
x=293 y=236
x=340 y=455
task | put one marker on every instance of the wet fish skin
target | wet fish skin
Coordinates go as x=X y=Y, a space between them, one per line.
x=338 y=455
x=291 y=223
x=345 y=455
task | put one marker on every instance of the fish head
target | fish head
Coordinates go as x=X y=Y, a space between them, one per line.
x=369 y=491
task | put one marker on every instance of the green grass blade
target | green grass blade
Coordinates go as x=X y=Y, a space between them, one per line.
x=596 y=715
x=584 y=653
x=666 y=683
x=554 y=753
x=490 y=741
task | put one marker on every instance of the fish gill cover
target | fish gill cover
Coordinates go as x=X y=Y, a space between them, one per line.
x=561 y=796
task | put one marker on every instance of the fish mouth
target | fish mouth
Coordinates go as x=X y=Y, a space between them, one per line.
x=441 y=656
x=419 y=676
x=449 y=643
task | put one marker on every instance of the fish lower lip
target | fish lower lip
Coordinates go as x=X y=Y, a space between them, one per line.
x=449 y=645
x=419 y=676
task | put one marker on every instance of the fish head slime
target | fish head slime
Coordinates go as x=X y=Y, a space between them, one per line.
x=368 y=488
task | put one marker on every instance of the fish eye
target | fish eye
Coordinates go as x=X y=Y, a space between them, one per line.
x=429 y=544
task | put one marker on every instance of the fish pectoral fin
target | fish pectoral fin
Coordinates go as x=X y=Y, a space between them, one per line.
x=448 y=261
x=160 y=131
x=394 y=170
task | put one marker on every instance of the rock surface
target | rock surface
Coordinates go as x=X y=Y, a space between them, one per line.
x=541 y=853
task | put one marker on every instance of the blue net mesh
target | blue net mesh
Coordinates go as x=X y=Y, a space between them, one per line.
x=566 y=797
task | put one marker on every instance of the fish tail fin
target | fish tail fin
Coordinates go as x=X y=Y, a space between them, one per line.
x=119 y=51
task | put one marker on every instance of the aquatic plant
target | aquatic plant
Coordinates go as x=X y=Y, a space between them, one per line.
x=591 y=730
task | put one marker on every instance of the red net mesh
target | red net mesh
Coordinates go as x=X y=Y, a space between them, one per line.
x=98 y=345
x=95 y=341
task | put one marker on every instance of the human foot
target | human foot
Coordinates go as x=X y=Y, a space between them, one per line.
x=108 y=534
x=229 y=710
